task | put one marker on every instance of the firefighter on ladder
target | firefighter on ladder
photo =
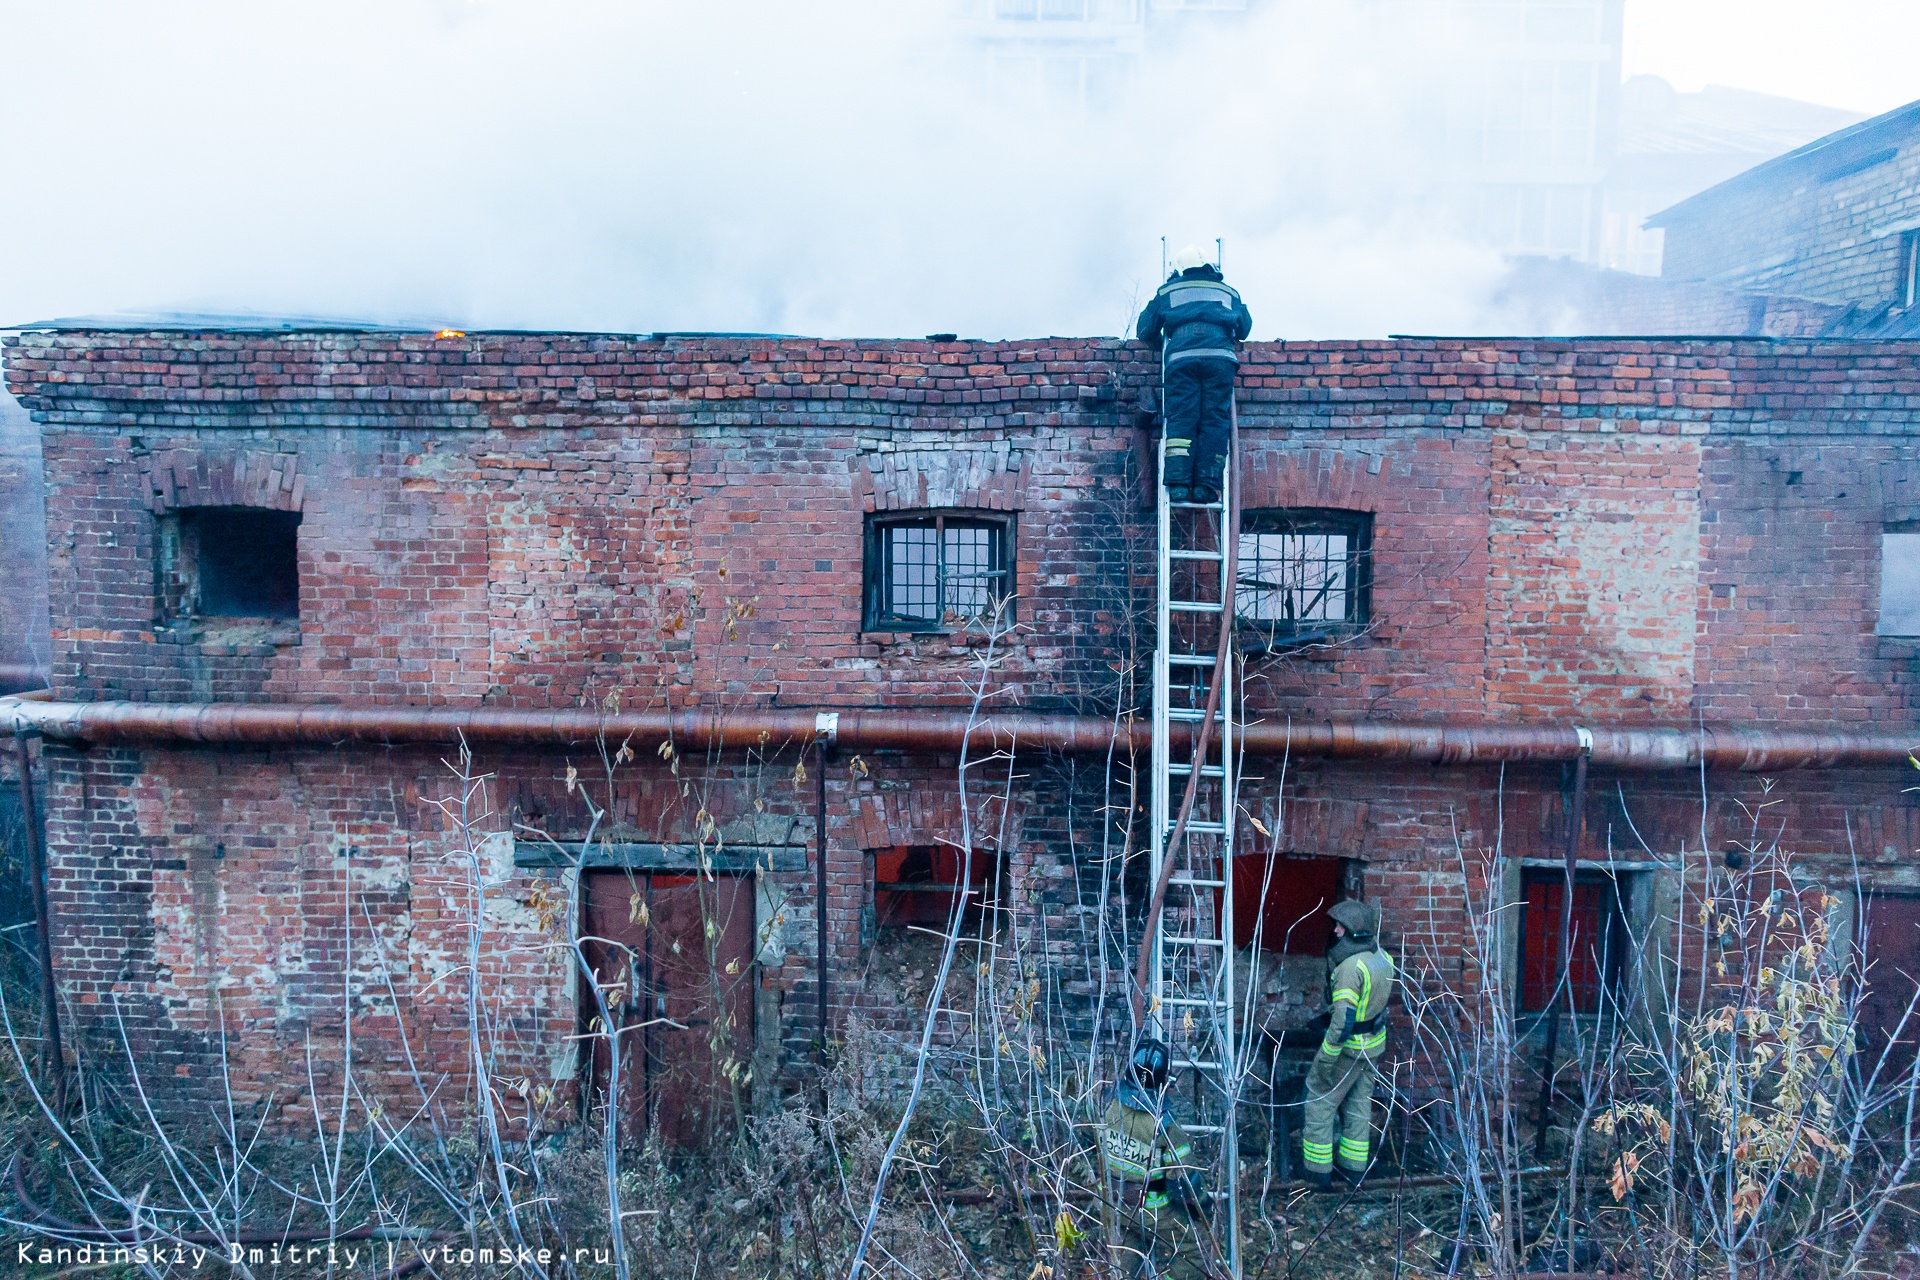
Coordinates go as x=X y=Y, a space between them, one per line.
x=1340 y=1083
x=1196 y=319
x=1147 y=1150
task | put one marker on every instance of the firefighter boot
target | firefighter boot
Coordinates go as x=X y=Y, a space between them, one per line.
x=1179 y=470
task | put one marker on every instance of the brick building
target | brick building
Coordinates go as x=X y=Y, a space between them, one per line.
x=709 y=541
x=1836 y=221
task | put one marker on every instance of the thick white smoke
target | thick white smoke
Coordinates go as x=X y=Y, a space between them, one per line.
x=834 y=167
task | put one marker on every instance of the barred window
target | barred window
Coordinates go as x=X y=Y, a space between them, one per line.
x=932 y=572
x=1303 y=573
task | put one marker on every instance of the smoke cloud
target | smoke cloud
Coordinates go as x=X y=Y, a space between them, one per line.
x=838 y=167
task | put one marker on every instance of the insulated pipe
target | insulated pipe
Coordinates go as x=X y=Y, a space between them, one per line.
x=1650 y=748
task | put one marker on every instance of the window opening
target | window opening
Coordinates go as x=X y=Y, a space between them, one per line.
x=925 y=573
x=1596 y=948
x=1899 y=584
x=1909 y=268
x=1303 y=573
x=918 y=885
x=230 y=562
x=1286 y=910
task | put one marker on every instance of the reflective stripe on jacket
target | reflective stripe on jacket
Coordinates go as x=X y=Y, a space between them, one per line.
x=1361 y=985
x=1196 y=315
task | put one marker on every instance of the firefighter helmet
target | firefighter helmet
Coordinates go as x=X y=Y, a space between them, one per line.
x=1149 y=1065
x=1361 y=920
x=1188 y=258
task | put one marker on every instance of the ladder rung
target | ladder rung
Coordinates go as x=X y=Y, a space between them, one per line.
x=1193 y=555
x=1193 y=715
x=1193 y=941
x=1194 y=606
x=1197 y=506
x=1197 y=884
x=1205 y=1128
x=1195 y=1001
x=1178 y=1063
x=1206 y=770
x=1189 y=660
x=1202 y=828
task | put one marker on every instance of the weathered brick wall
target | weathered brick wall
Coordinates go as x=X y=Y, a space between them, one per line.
x=1819 y=228
x=1564 y=531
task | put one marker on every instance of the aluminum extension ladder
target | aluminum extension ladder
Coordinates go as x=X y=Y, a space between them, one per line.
x=1190 y=999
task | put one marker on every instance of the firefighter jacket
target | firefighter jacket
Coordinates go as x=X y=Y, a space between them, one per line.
x=1362 y=980
x=1141 y=1145
x=1196 y=314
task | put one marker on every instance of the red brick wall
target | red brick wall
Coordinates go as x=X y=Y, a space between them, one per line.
x=1565 y=531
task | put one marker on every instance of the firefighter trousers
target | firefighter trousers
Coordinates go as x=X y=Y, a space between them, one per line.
x=1339 y=1094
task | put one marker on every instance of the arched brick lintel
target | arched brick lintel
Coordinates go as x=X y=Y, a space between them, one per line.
x=248 y=478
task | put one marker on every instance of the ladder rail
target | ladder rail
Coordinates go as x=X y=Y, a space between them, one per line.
x=1192 y=964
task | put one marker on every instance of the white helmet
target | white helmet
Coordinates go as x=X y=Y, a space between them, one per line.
x=1189 y=258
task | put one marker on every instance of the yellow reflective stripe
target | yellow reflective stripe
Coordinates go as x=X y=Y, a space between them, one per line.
x=1344 y=994
x=1363 y=1044
x=1366 y=989
x=1322 y=1150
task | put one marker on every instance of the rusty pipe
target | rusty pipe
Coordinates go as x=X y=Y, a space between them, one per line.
x=1453 y=742
x=18 y=677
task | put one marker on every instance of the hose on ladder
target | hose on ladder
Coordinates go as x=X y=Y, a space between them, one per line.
x=1223 y=654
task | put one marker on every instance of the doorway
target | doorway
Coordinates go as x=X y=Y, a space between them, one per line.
x=675 y=955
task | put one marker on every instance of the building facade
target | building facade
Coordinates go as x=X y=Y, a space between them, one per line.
x=1835 y=221
x=1445 y=538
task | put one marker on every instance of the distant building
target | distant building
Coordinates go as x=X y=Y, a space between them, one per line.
x=1836 y=221
x=1673 y=145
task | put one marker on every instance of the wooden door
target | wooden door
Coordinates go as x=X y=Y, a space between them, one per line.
x=1893 y=959
x=678 y=953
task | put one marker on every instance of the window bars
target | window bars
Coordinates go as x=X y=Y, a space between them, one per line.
x=1302 y=573
x=930 y=572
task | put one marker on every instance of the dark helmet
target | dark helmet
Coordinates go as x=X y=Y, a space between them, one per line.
x=1149 y=1065
x=1361 y=920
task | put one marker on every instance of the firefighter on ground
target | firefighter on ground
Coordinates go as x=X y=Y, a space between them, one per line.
x=1340 y=1083
x=1197 y=319
x=1142 y=1145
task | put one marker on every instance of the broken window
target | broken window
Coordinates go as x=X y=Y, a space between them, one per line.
x=1303 y=574
x=1899 y=584
x=1280 y=903
x=934 y=572
x=229 y=563
x=919 y=886
x=1597 y=943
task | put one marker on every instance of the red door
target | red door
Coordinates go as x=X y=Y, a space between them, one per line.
x=1893 y=969
x=677 y=954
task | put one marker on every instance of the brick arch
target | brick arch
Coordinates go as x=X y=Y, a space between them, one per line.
x=923 y=816
x=919 y=479
x=1278 y=476
x=179 y=478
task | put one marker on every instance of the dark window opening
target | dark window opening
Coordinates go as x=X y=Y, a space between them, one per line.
x=1909 y=268
x=1304 y=574
x=1280 y=903
x=230 y=562
x=1597 y=946
x=933 y=572
x=917 y=886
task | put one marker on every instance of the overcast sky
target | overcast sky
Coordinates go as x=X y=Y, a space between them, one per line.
x=828 y=167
